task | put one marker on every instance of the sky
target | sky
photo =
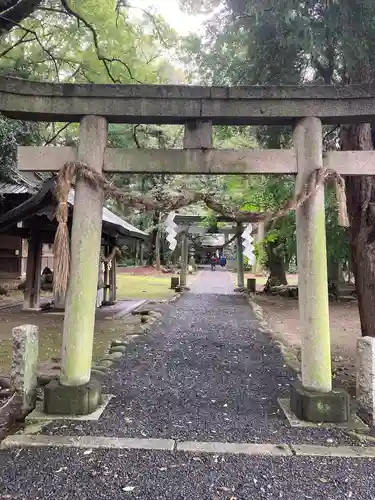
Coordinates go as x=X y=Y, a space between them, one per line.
x=183 y=23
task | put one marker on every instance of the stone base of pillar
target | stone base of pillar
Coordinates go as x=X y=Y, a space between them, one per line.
x=251 y=285
x=240 y=289
x=326 y=407
x=72 y=400
x=365 y=391
x=175 y=282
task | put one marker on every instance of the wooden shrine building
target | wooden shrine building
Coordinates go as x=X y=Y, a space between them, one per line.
x=34 y=221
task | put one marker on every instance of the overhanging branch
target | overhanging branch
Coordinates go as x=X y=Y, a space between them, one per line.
x=105 y=60
x=12 y=12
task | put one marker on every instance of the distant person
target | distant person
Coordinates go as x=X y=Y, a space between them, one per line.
x=223 y=261
x=213 y=263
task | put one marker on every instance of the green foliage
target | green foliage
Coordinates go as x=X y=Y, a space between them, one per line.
x=91 y=41
x=12 y=133
x=252 y=42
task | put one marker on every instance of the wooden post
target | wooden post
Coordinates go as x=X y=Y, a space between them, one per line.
x=24 y=252
x=33 y=273
x=184 y=258
x=106 y=276
x=137 y=253
x=112 y=281
x=141 y=253
x=312 y=262
x=259 y=239
x=85 y=248
x=240 y=263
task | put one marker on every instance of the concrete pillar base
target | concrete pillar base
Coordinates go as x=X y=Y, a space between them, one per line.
x=72 y=400
x=251 y=285
x=328 y=407
x=175 y=282
x=365 y=391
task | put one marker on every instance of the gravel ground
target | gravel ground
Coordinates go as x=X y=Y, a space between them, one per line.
x=205 y=372
x=73 y=475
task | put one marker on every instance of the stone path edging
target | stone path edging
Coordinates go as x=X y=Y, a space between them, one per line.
x=253 y=449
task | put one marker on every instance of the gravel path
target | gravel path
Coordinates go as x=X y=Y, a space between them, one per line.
x=205 y=373
x=109 y=475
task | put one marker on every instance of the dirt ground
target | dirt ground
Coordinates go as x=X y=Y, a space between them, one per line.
x=50 y=334
x=135 y=283
x=283 y=317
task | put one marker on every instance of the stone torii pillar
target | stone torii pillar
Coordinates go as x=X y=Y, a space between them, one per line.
x=259 y=238
x=184 y=259
x=314 y=399
x=240 y=262
x=75 y=393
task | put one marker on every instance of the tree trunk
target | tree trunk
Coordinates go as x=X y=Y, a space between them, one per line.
x=276 y=266
x=152 y=255
x=361 y=203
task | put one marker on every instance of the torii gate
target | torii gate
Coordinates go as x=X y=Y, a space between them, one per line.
x=199 y=108
x=189 y=224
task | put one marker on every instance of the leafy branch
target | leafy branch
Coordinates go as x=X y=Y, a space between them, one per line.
x=105 y=60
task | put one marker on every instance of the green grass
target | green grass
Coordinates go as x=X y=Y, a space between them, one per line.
x=143 y=287
x=51 y=326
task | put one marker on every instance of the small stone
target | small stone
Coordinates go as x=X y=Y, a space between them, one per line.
x=99 y=368
x=119 y=343
x=118 y=348
x=97 y=373
x=106 y=362
x=115 y=355
x=128 y=489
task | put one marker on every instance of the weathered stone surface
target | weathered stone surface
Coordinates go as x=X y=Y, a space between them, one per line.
x=115 y=355
x=97 y=373
x=44 y=379
x=312 y=261
x=333 y=406
x=198 y=134
x=72 y=400
x=99 y=367
x=25 y=365
x=194 y=161
x=365 y=391
x=118 y=343
x=119 y=348
x=105 y=362
x=251 y=285
x=175 y=104
x=175 y=281
x=80 y=308
x=235 y=448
